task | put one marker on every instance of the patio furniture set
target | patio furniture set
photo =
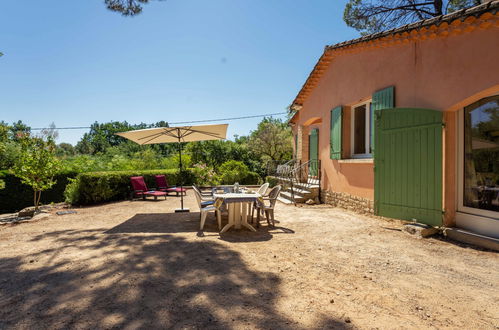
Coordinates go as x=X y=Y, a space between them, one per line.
x=240 y=205
x=162 y=188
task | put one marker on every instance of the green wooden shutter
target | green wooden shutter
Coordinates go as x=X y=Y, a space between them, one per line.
x=335 y=134
x=382 y=99
x=408 y=158
x=313 y=151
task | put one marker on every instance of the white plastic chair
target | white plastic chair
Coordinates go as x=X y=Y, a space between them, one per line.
x=268 y=209
x=263 y=189
x=205 y=209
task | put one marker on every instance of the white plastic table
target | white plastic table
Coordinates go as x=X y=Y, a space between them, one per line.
x=238 y=206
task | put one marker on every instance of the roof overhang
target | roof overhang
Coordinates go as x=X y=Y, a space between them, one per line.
x=484 y=16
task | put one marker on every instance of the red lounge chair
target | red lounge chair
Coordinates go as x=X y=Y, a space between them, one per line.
x=140 y=188
x=162 y=185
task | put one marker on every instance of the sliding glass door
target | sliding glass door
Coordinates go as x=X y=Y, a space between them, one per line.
x=480 y=158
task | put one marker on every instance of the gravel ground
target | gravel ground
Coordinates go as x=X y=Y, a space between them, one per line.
x=137 y=265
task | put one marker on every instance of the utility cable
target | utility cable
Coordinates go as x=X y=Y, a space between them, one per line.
x=175 y=123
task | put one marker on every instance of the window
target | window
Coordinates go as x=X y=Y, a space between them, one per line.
x=361 y=130
x=481 y=154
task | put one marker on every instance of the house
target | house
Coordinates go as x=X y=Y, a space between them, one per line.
x=405 y=123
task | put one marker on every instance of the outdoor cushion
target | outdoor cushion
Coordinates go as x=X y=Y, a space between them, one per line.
x=207 y=203
x=140 y=188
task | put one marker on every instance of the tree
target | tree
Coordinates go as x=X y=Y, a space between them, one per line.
x=36 y=165
x=102 y=137
x=272 y=140
x=9 y=147
x=3 y=140
x=371 y=16
x=126 y=7
x=18 y=130
x=65 y=149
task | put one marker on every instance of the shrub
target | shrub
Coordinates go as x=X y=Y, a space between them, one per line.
x=252 y=178
x=233 y=171
x=97 y=187
x=16 y=195
x=272 y=181
x=204 y=175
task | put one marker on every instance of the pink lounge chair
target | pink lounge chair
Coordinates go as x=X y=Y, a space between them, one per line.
x=162 y=185
x=140 y=188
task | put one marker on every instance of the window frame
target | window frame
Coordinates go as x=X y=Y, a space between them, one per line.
x=369 y=112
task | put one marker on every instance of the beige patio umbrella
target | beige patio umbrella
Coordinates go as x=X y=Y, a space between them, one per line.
x=177 y=135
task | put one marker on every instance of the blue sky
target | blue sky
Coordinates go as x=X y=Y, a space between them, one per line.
x=75 y=62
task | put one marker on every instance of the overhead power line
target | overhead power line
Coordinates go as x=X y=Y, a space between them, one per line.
x=178 y=122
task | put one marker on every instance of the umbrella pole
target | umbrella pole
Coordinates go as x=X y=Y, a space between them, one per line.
x=180 y=175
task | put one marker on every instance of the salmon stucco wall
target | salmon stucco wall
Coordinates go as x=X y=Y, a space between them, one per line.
x=436 y=74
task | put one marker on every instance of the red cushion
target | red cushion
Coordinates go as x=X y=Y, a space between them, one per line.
x=138 y=183
x=155 y=193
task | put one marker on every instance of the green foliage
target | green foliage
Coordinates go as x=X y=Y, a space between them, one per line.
x=16 y=195
x=65 y=149
x=9 y=153
x=272 y=140
x=272 y=181
x=10 y=136
x=372 y=16
x=114 y=161
x=102 y=139
x=99 y=187
x=36 y=165
x=456 y=5
x=72 y=191
x=215 y=153
x=126 y=7
x=18 y=130
x=233 y=171
x=252 y=178
x=205 y=175
x=103 y=136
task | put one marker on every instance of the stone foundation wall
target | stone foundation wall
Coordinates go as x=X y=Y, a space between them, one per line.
x=349 y=202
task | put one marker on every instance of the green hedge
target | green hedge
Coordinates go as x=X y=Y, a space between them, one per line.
x=90 y=187
x=98 y=187
x=16 y=195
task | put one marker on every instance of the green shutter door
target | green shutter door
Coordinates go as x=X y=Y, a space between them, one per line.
x=313 y=151
x=382 y=99
x=335 y=133
x=408 y=165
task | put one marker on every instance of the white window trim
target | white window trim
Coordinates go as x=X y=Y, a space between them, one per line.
x=460 y=175
x=367 y=128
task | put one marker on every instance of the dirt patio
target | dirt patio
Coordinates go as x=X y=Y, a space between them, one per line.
x=137 y=265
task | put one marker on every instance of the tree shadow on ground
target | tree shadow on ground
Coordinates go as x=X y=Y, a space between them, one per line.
x=170 y=223
x=95 y=280
x=263 y=233
x=165 y=223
